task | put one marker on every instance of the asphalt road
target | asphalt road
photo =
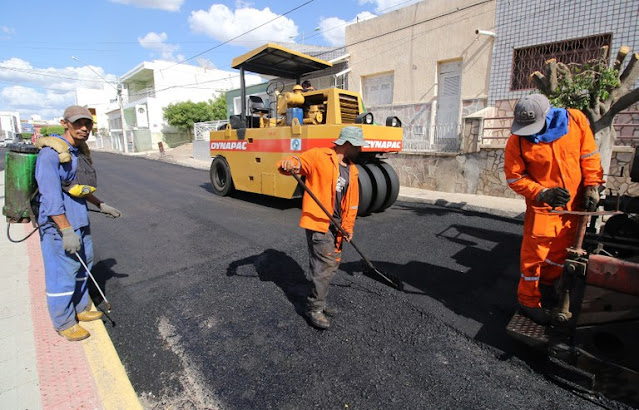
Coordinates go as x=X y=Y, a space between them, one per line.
x=207 y=295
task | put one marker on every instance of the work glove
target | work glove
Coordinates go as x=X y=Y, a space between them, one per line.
x=591 y=198
x=110 y=211
x=71 y=241
x=555 y=197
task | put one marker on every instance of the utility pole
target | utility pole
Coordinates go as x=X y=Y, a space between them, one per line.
x=120 y=102
x=124 y=138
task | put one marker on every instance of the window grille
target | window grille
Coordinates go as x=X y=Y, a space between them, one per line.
x=527 y=60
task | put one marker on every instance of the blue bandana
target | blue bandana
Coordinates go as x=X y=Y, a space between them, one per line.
x=556 y=127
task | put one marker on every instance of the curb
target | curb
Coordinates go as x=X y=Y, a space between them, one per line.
x=464 y=206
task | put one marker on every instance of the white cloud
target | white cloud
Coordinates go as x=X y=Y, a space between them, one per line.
x=384 y=6
x=156 y=42
x=221 y=23
x=334 y=28
x=6 y=32
x=45 y=91
x=168 y=5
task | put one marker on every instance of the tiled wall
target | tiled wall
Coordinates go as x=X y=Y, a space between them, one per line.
x=528 y=23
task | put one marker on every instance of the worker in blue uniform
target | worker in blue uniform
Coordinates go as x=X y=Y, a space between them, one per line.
x=63 y=217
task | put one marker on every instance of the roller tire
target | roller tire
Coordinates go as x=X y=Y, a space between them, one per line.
x=365 y=191
x=380 y=188
x=392 y=182
x=221 y=177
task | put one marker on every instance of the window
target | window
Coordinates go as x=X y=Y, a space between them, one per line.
x=527 y=60
x=378 y=90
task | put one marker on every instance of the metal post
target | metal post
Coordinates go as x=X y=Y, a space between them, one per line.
x=243 y=96
x=124 y=139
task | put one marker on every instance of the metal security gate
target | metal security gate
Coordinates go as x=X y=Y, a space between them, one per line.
x=446 y=132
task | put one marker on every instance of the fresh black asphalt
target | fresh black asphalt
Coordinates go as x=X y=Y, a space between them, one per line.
x=207 y=296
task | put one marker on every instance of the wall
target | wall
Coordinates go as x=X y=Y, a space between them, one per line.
x=528 y=23
x=411 y=41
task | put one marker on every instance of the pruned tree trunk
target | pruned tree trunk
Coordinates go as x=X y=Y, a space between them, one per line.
x=600 y=111
x=605 y=138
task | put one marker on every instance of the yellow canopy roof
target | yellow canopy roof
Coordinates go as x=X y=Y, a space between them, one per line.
x=273 y=59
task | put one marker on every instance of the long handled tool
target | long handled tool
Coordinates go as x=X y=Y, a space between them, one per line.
x=391 y=279
x=106 y=301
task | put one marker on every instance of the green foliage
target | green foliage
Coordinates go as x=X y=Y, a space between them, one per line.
x=184 y=114
x=52 y=129
x=218 y=107
x=585 y=86
x=27 y=135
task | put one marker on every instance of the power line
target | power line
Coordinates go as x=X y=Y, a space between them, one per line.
x=246 y=32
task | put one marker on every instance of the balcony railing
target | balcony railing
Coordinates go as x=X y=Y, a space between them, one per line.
x=141 y=95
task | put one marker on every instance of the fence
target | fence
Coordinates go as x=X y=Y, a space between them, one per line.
x=496 y=130
x=201 y=130
x=437 y=138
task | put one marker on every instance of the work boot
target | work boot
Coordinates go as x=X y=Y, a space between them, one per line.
x=319 y=320
x=89 y=315
x=537 y=314
x=74 y=333
x=330 y=311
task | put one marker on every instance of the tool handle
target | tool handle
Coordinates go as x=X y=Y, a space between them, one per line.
x=317 y=201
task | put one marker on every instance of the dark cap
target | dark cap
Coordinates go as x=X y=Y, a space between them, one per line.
x=530 y=115
x=76 y=112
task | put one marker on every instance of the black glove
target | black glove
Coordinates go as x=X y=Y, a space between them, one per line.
x=591 y=198
x=554 y=197
x=71 y=241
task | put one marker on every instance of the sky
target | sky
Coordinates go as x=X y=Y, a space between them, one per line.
x=49 y=48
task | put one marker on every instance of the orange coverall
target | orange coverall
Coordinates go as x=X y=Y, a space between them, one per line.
x=571 y=162
x=321 y=167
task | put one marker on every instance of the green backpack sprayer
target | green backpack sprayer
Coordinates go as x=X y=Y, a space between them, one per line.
x=21 y=188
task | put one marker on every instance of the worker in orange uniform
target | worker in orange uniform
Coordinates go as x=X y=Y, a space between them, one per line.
x=552 y=160
x=332 y=176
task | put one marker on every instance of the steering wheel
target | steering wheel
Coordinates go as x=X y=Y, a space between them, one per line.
x=273 y=87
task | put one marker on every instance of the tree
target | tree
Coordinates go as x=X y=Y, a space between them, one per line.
x=600 y=91
x=184 y=114
x=218 y=107
x=52 y=129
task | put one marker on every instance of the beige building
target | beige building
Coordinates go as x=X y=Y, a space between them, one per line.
x=428 y=64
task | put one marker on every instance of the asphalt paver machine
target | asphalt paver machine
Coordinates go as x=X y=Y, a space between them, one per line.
x=245 y=152
x=592 y=342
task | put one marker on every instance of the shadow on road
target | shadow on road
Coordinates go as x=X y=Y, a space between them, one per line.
x=259 y=199
x=484 y=292
x=277 y=267
x=102 y=272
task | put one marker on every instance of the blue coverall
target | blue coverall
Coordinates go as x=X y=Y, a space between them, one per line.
x=65 y=278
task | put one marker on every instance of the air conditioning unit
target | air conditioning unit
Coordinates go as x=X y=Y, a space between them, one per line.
x=141 y=116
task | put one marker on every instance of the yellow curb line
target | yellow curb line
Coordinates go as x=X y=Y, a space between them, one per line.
x=114 y=386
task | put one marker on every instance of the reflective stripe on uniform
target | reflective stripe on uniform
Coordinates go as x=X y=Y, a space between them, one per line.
x=59 y=294
x=589 y=155
x=353 y=207
x=510 y=181
x=548 y=261
x=530 y=278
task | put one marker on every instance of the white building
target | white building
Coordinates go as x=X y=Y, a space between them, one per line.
x=9 y=125
x=151 y=86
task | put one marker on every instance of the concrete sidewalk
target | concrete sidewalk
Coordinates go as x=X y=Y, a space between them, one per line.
x=41 y=370
x=498 y=206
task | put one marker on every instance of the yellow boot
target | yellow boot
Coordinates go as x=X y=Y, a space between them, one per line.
x=89 y=315
x=74 y=333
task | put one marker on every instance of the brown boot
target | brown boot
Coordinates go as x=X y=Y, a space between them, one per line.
x=89 y=315
x=319 y=320
x=74 y=333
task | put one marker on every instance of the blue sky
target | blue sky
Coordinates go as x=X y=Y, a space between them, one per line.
x=39 y=38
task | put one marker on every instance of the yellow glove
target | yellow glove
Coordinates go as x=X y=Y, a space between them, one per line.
x=80 y=191
x=61 y=147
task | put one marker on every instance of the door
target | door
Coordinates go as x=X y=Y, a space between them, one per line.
x=448 y=104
